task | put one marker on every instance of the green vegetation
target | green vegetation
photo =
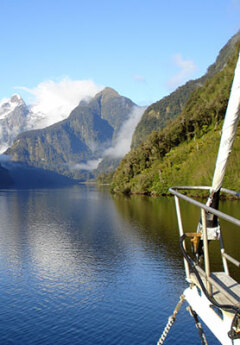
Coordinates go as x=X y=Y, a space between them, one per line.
x=105 y=178
x=105 y=170
x=184 y=152
x=158 y=114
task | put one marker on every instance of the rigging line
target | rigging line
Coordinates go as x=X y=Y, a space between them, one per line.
x=198 y=325
x=171 y=321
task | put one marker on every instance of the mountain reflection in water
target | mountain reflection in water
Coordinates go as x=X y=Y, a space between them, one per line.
x=79 y=266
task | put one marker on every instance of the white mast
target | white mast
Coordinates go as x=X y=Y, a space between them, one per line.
x=228 y=131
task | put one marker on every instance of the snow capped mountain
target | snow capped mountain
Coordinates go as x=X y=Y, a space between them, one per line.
x=9 y=105
x=16 y=117
x=37 y=119
x=13 y=113
x=53 y=103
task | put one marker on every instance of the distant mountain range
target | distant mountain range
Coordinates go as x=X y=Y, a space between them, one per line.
x=95 y=130
x=17 y=117
x=69 y=146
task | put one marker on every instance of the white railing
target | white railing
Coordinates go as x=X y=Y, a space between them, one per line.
x=204 y=210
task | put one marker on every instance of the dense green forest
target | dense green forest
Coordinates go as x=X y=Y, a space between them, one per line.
x=184 y=152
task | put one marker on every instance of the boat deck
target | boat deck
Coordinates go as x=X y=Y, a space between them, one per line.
x=225 y=289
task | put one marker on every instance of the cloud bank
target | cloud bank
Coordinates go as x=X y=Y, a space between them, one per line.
x=53 y=101
x=122 y=143
x=187 y=68
x=89 y=165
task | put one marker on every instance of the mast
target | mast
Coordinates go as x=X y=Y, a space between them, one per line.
x=228 y=134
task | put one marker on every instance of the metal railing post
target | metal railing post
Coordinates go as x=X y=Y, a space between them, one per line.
x=224 y=260
x=181 y=232
x=205 y=249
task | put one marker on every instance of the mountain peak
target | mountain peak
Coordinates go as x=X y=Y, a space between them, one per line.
x=7 y=105
x=16 y=98
x=107 y=93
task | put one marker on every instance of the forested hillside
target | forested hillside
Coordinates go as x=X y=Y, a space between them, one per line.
x=185 y=151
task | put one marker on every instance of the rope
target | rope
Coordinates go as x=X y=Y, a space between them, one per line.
x=171 y=321
x=198 y=325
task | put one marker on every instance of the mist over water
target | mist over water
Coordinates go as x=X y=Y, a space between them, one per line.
x=78 y=266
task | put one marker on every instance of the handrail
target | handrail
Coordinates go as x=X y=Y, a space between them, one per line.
x=231 y=259
x=206 y=273
x=205 y=207
x=224 y=190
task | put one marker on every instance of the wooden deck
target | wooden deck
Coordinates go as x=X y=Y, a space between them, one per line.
x=225 y=289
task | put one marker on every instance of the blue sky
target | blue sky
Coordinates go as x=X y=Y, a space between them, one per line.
x=142 y=48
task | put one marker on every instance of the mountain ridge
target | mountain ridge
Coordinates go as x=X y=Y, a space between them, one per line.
x=170 y=156
x=158 y=114
x=83 y=136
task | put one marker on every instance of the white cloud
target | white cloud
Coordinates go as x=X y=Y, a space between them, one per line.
x=187 y=68
x=89 y=165
x=123 y=141
x=53 y=101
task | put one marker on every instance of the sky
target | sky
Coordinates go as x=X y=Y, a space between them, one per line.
x=144 y=49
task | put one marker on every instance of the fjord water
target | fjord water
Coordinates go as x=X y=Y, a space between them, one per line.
x=79 y=266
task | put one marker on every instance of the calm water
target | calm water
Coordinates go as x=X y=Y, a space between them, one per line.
x=78 y=266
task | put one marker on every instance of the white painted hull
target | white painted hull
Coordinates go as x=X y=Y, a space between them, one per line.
x=217 y=325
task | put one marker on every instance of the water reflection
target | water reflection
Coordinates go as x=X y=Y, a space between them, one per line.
x=44 y=227
x=157 y=221
x=80 y=266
